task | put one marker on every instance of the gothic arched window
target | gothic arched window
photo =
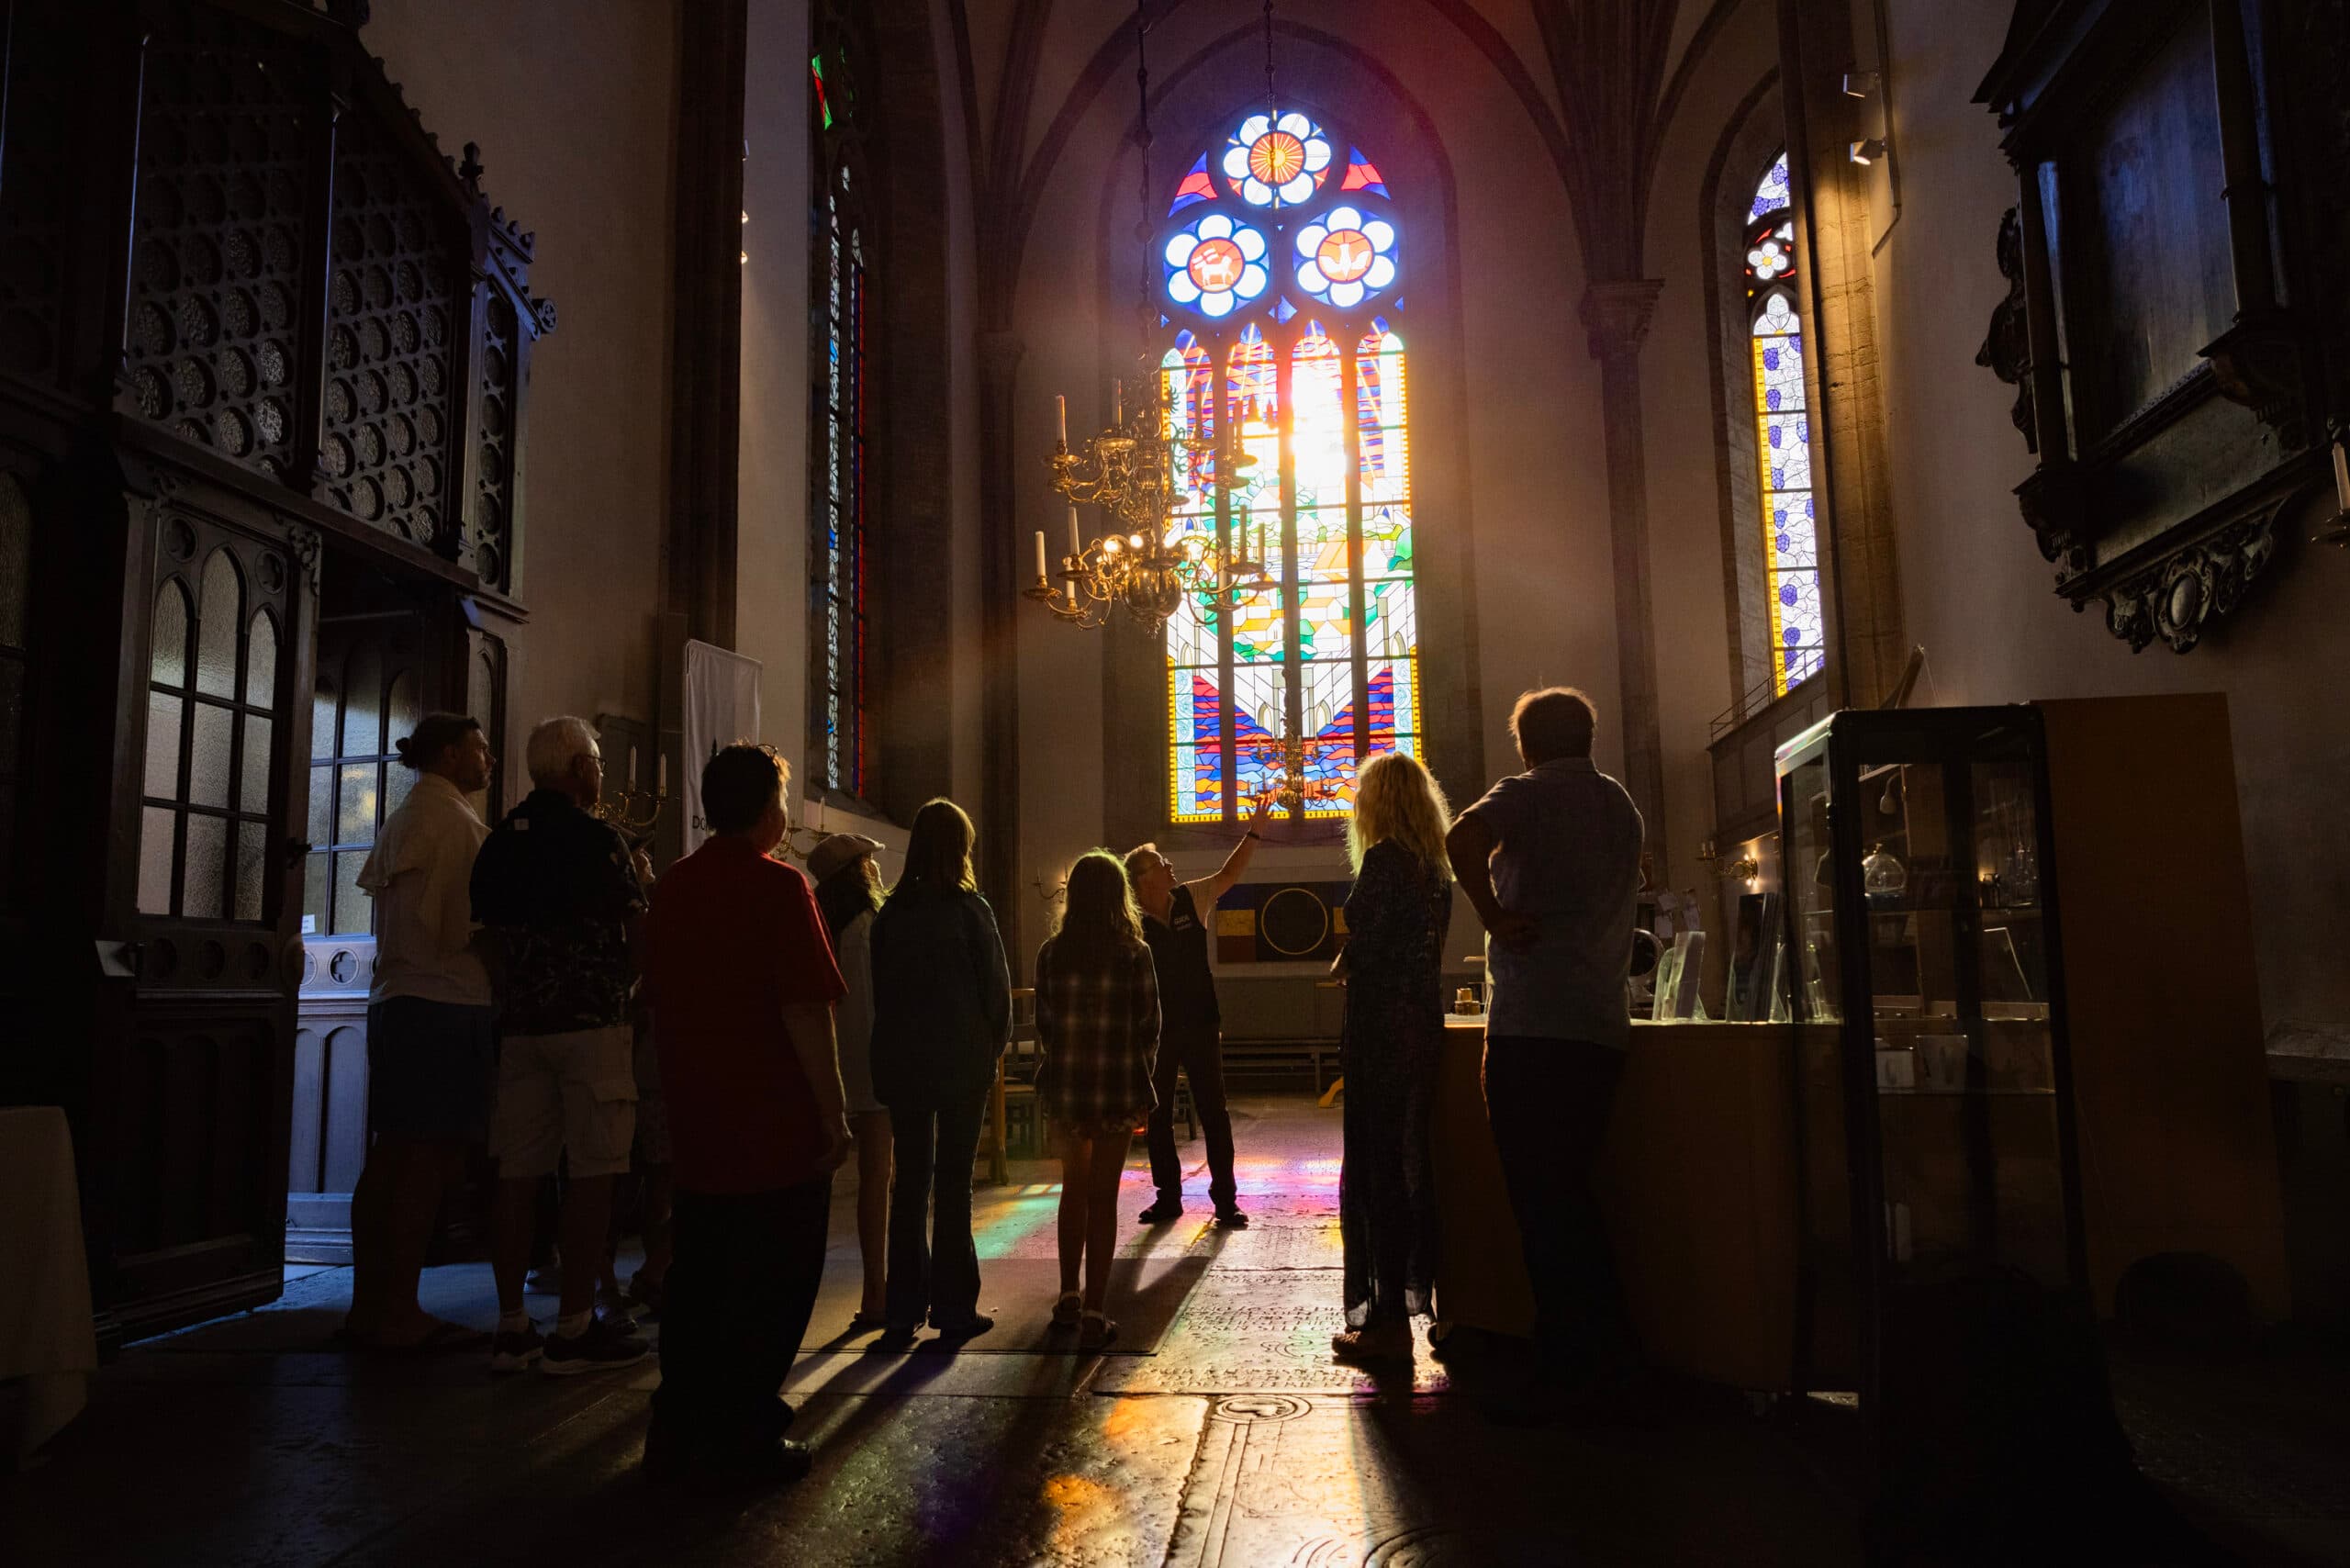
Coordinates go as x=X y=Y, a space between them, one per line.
x=1782 y=438
x=840 y=263
x=1280 y=280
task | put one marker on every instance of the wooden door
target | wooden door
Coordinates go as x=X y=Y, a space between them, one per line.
x=200 y=1021
x=381 y=667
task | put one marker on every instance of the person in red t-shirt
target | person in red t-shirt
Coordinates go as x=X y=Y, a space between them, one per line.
x=744 y=984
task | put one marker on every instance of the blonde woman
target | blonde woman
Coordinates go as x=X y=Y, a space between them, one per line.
x=1097 y=1015
x=1396 y=918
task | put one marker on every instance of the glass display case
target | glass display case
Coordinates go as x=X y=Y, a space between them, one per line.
x=1919 y=911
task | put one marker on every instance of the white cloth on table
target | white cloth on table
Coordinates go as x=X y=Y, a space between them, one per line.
x=47 y=1337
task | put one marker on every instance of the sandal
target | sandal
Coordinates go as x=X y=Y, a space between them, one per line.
x=1068 y=1310
x=1095 y=1330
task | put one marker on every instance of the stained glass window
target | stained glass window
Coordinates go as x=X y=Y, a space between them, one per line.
x=841 y=267
x=1285 y=342
x=1783 y=440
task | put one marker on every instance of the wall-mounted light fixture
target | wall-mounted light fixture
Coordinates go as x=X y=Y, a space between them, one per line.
x=1869 y=150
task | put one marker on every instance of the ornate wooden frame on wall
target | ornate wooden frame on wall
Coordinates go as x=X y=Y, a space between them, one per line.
x=2173 y=359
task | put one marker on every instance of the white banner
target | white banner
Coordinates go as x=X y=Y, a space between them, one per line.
x=722 y=707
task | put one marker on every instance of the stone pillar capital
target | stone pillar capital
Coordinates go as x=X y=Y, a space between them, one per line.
x=1616 y=314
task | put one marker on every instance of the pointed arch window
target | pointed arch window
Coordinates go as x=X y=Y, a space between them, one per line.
x=1281 y=279
x=1782 y=438
x=840 y=284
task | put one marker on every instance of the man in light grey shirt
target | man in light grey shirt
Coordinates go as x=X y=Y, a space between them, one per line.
x=1550 y=857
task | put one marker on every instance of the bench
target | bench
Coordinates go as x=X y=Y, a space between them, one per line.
x=1269 y=1057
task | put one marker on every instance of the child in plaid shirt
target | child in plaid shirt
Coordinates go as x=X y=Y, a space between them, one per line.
x=1097 y=1015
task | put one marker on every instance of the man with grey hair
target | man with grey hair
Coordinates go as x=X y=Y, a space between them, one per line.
x=558 y=890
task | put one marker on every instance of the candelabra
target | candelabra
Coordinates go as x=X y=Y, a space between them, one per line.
x=633 y=811
x=1128 y=471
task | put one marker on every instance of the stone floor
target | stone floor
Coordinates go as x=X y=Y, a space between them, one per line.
x=1217 y=1434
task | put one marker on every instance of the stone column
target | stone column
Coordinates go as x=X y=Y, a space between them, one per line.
x=1616 y=316
x=999 y=817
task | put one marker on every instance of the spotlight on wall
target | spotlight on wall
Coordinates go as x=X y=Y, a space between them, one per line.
x=1868 y=151
x=1860 y=84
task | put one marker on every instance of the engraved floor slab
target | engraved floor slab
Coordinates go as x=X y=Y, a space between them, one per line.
x=1263 y=1330
x=1333 y=1484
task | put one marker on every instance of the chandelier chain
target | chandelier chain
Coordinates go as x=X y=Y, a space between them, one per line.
x=1272 y=95
x=1142 y=213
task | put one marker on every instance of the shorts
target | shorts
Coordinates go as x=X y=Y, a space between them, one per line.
x=431 y=1066
x=575 y=1092
x=653 y=1147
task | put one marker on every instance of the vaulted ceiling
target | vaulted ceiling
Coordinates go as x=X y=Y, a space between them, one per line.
x=1598 y=81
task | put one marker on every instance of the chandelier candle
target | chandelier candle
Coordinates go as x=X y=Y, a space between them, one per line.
x=1040 y=558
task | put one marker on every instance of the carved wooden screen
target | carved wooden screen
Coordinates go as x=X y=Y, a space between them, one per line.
x=318 y=297
x=221 y=234
x=490 y=534
x=394 y=297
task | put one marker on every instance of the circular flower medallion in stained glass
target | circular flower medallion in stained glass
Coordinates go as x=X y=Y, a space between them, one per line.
x=1276 y=160
x=1349 y=256
x=1215 y=265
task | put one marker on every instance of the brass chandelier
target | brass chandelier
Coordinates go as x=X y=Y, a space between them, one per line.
x=1129 y=472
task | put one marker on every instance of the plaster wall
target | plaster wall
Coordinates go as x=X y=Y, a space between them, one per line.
x=771 y=531
x=1977 y=594
x=576 y=125
x=1695 y=680
x=1521 y=433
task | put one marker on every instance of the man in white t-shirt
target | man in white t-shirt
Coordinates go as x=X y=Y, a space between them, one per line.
x=431 y=1039
x=1550 y=857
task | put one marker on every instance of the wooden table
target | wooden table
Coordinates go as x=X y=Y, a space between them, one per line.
x=1698 y=1180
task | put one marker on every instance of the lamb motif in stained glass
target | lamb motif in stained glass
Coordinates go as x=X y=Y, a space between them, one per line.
x=1216 y=264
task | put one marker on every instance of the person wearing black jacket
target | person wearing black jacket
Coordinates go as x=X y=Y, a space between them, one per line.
x=942 y=1015
x=1175 y=923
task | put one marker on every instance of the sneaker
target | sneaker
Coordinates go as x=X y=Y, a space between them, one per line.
x=611 y=1303
x=601 y=1345
x=515 y=1348
x=545 y=1280
x=1162 y=1212
x=1231 y=1219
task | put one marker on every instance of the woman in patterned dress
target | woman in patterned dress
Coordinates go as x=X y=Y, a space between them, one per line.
x=1397 y=919
x=1097 y=1017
